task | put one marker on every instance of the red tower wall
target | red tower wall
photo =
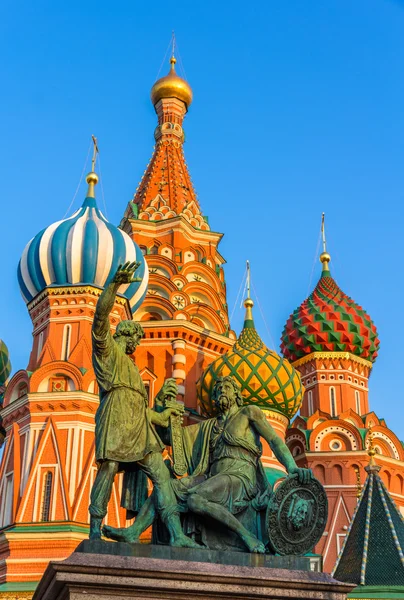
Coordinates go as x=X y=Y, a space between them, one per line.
x=335 y=446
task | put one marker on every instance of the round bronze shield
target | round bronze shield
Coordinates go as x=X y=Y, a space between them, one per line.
x=296 y=516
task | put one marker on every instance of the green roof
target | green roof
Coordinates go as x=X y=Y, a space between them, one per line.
x=19 y=586
x=368 y=592
x=372 y=554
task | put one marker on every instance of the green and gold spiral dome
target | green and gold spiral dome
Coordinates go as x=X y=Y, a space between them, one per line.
x=266 y=379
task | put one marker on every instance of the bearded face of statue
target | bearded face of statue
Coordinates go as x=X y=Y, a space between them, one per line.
x=224 y=395
x=132 y=343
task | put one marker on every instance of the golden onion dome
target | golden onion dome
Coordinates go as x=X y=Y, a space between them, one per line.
x=172 y=86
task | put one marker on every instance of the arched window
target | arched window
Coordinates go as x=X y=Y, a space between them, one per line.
x=46 y=497
x=66 y=342
x=358 y=402
x=40 y=344
x=310 y=402
x=333 y=406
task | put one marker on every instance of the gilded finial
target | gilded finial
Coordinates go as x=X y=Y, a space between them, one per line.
x=372 y=466
x=358 y=483
x=92 y=178
x=172 y=85
x=324 y=256
x=173 y=60
x=248 y=303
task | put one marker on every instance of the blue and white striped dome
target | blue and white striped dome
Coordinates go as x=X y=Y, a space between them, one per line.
x=83 y=249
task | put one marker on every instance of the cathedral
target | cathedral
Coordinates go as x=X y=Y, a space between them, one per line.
x=314 y=391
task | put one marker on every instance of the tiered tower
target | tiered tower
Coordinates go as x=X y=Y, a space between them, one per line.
x=48 y=466
x=184 y=315
x=333 y=343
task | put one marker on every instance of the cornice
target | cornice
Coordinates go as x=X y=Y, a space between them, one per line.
x=351 y=454
x=176 y=223
x=30 y=399
x=72 y=290
x=188 y=325
x=331 y=356
x=276 y=416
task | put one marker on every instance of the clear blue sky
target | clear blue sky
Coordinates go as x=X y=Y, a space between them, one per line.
x=298 y=109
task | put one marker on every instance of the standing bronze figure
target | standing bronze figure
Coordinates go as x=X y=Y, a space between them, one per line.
x=125 y=436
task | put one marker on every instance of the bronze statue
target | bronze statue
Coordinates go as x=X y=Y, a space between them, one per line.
x=226 y=477
x=125 y=435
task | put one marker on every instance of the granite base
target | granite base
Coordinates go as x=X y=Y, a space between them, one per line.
x=164 y=573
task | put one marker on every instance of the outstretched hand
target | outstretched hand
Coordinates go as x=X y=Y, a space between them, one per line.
x=125 y=273
x=303 y=475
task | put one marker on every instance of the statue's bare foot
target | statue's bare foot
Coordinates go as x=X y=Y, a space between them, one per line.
x=183 y=541
x=120 y=534
x=254 y=544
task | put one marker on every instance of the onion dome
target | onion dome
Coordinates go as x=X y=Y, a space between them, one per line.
x=5 y=364
x=84 y=249
x=266 y=379
x=329 y=321
x=172 y=86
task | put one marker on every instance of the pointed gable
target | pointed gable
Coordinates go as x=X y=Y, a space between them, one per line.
x=47 y=459
x=373 y=551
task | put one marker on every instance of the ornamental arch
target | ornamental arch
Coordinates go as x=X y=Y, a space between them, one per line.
x=335 y=438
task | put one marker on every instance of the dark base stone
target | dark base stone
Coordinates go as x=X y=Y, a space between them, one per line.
x=218 y=557
x=97 y=572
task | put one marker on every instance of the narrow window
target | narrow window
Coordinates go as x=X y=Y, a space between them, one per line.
x=46 y=497
x=66 y=342
x=333 y=409
x=310 y=402
x=358 y=402
x=40 y=344
x=8 y=505
x=147 y=388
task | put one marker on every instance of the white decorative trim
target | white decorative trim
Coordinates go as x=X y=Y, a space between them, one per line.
x=179 y=358
x=383 y=436
x=335 y=429
x=337 y=442
x=178 y=344
x=179 y=374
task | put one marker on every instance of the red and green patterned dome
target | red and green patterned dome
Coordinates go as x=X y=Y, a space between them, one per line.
x=329 y=321
x=266 y=379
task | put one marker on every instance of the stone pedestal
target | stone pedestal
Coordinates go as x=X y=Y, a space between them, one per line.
x=164 y=573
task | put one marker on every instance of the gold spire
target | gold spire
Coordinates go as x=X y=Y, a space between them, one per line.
x=92 y=177
x=324 y=256
x=248 y=303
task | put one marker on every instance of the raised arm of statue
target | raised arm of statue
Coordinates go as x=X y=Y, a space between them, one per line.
x=101 y=325
x=278 y=446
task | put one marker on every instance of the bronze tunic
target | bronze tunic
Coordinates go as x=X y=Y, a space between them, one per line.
x=123 y=431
